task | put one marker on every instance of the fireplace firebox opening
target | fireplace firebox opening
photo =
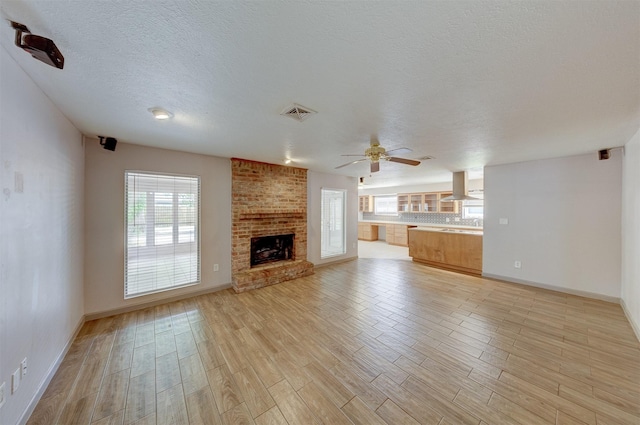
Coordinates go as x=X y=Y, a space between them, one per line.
x=268 y=249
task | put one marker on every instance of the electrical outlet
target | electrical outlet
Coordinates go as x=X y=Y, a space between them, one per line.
x=456 y=219
x=517 y=264
x=23 y=367
x=15 y=381
x=448 y=219
x=504 y=221
x=2 y=397
x=216 y=267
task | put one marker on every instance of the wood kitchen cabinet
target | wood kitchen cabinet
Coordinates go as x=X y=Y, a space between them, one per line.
x=461 y=252
x=451 y=207
x=410 y=202
x=367 y=232
x=397 y=234
x=365 y=203
x=429 y=202
x=403 y=202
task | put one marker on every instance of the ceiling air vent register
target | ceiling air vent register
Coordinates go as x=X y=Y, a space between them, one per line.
x=297 y=112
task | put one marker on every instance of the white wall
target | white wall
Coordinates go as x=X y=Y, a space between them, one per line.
x=104 y=217
x=564 y=223
x=41 y=242
x=630 y=293
x=315 y=182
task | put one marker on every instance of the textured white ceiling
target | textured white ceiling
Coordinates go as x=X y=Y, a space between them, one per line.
x=472 y=83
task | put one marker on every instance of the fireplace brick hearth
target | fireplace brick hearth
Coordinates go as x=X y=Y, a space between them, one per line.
x=267 y=200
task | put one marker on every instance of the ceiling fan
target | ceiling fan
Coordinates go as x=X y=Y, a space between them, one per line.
x=375 y=153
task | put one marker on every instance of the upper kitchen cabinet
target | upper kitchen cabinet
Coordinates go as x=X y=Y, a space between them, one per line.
x=450 y=207
x=365 y=203
x=430 y=202
x=415 y=202
x=411 y=202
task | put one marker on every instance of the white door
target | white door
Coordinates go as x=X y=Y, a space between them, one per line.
x=333 y=234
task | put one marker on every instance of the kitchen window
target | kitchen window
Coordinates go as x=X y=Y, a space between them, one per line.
x=385 y=205
x=474 y=208
x=162 y=241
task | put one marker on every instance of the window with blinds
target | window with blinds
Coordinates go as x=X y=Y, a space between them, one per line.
x=332 y=231
x=162 y=241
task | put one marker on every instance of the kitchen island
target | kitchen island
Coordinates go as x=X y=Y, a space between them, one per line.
x=455 y=249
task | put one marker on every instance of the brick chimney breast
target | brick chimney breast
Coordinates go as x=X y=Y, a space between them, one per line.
x=267 y=200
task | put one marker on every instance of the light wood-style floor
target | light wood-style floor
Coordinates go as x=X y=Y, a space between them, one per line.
x=365 y=342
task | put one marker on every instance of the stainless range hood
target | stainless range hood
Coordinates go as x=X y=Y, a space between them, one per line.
x=459 y=188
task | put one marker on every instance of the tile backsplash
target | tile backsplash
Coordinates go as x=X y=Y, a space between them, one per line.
x=426 y=218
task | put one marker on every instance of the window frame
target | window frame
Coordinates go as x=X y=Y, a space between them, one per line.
x=468 y=204
x=195 y=275
x=389 y=213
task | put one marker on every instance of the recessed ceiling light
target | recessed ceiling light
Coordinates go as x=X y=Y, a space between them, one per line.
x=160 y=114
x=287 y=161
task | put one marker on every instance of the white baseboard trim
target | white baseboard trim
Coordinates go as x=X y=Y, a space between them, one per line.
x=577 y=292
x=635 y=326
x=334 y=262
x=140 y=306
x=49 y=376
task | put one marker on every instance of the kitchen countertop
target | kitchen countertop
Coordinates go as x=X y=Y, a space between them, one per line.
x=425 y=226
x=475 y=231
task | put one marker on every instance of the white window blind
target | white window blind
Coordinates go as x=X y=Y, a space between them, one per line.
x=385 y=205
x=332 y=232
x=162 y=241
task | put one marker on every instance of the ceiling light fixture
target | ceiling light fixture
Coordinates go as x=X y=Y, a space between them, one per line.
x=287 y=161
x=160 y=114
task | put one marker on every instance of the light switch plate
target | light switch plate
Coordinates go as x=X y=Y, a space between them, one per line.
x=504 y=221
x=15 y=380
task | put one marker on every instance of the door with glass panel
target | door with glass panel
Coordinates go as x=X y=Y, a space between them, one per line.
x=333 y=232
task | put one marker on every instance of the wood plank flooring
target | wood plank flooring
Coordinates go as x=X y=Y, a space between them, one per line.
x=366 y=342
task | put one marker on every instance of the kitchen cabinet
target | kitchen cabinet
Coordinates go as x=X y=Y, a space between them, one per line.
x=403 y=203
x=429 y=202
x=451 y=207
x=410 y=202
x=451 y=250
x=365 y=203
x=397 y=234
x=367 y=232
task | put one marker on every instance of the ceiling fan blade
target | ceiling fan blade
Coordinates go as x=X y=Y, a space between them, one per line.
x=375 y=167
x=352 y=162
x=399 y=151
x=353 y=154
x=403 y=160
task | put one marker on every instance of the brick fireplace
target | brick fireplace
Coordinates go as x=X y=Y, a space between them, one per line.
x=267 y=200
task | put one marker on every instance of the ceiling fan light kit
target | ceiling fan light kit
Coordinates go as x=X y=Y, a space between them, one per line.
x=375 y=153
